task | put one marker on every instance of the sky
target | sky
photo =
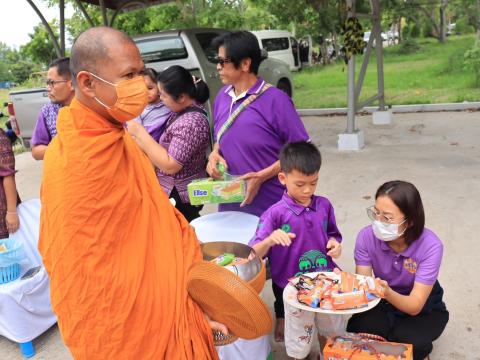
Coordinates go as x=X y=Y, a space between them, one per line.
x=19 y=18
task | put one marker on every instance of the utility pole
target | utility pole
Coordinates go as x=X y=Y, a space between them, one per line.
x=478 y=20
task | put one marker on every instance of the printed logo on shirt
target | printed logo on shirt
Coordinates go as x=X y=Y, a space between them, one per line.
x=286 y=227
x=410 y=265
x=312 y=261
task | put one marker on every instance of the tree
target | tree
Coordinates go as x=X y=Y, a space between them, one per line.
x=40 y=48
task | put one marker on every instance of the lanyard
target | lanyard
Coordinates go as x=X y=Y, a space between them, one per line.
x=237 y=112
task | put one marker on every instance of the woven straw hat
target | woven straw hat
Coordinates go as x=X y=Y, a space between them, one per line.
x=226 y=298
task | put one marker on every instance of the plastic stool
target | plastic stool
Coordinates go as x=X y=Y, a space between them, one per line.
x=27 y=349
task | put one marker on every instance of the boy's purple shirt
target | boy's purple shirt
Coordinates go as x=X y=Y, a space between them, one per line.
x=313 y=226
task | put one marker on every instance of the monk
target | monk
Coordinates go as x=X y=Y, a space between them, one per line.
x=117 y=252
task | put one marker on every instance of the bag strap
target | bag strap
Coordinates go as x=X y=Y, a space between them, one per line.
x=237 y=112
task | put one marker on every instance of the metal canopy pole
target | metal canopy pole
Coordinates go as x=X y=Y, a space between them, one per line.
x=351 y=80
x=85 y=13
x=62 y=26
x=49 y=29
x=104 y=12
x=379 y=50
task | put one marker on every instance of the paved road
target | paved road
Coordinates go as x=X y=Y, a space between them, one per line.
x=438 y=152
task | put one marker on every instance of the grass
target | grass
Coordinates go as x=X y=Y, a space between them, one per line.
x=434 y=74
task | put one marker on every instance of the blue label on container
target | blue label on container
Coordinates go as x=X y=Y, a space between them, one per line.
x=200 y=193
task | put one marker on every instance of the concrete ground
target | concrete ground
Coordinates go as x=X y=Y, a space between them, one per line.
x=438 y=152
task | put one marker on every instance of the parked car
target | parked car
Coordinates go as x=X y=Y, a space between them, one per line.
x=190 y=48
x=282 y=45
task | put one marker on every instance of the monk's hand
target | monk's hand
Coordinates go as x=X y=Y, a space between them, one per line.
x=12 y=221
x=213 y=159
x=216 y=326
x=254 y=182
x=334 y=248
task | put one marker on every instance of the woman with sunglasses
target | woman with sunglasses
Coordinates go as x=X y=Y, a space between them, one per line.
x=249 y=143
x=406 y=256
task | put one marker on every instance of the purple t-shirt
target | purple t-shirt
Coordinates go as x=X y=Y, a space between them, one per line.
x=154 y=119
x=186 y=139
x=256 y=137
x=46 y=127
x=420 y=262
x=313 y=226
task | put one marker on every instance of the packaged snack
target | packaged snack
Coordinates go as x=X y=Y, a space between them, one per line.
x=351 y=300
x=224 y=259
x=210 y=191
x=348 y=282
x=311 y=297
x=356 y=347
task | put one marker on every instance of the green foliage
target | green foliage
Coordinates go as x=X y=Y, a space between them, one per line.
x=40 y=49
x=463 y=27
x=409 y=79
x=472 y=61
x=415 y=31
x=427 y=29
x=408 y=46
x=22 y=70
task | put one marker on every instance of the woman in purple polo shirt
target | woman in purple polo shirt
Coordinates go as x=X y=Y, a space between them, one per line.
x=406 y=256
x=251 y=145
x=179 y=155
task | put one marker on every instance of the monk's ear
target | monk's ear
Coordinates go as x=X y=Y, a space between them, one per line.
x=85 y=83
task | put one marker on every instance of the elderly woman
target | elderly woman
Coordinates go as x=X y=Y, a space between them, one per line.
x=406 y=256
x=252 y=122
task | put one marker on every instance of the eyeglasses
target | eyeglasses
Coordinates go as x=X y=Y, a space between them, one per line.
x=222 y=61
x=373 y=214
x=51 y=83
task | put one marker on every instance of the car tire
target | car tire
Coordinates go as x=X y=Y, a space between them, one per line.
x=285 y=86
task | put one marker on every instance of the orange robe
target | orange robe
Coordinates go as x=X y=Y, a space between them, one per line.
x=116 y=251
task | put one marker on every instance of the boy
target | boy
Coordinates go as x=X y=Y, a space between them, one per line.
x=299 y=235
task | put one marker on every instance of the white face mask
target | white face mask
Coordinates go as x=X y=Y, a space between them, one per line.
x=386 y=232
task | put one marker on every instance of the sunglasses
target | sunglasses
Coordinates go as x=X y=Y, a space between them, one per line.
x=222 y=61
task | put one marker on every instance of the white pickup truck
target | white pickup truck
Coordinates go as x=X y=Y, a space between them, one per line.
x=190 y=48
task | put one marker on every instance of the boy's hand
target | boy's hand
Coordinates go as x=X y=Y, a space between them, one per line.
x=334 y=248
x=280 y=237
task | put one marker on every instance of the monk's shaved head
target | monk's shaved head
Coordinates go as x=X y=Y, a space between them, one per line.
x=92 y=48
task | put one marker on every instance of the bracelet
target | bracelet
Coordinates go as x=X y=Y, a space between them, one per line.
x=12 y=213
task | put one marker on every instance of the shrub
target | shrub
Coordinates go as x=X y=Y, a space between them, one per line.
x=408 y=46
x=415 y=31
x=427 y=29
x=463 y=27
x=472 y=61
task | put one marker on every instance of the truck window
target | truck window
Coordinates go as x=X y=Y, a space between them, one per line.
x=162 y=49
x=205 y=41
x=275 y=44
